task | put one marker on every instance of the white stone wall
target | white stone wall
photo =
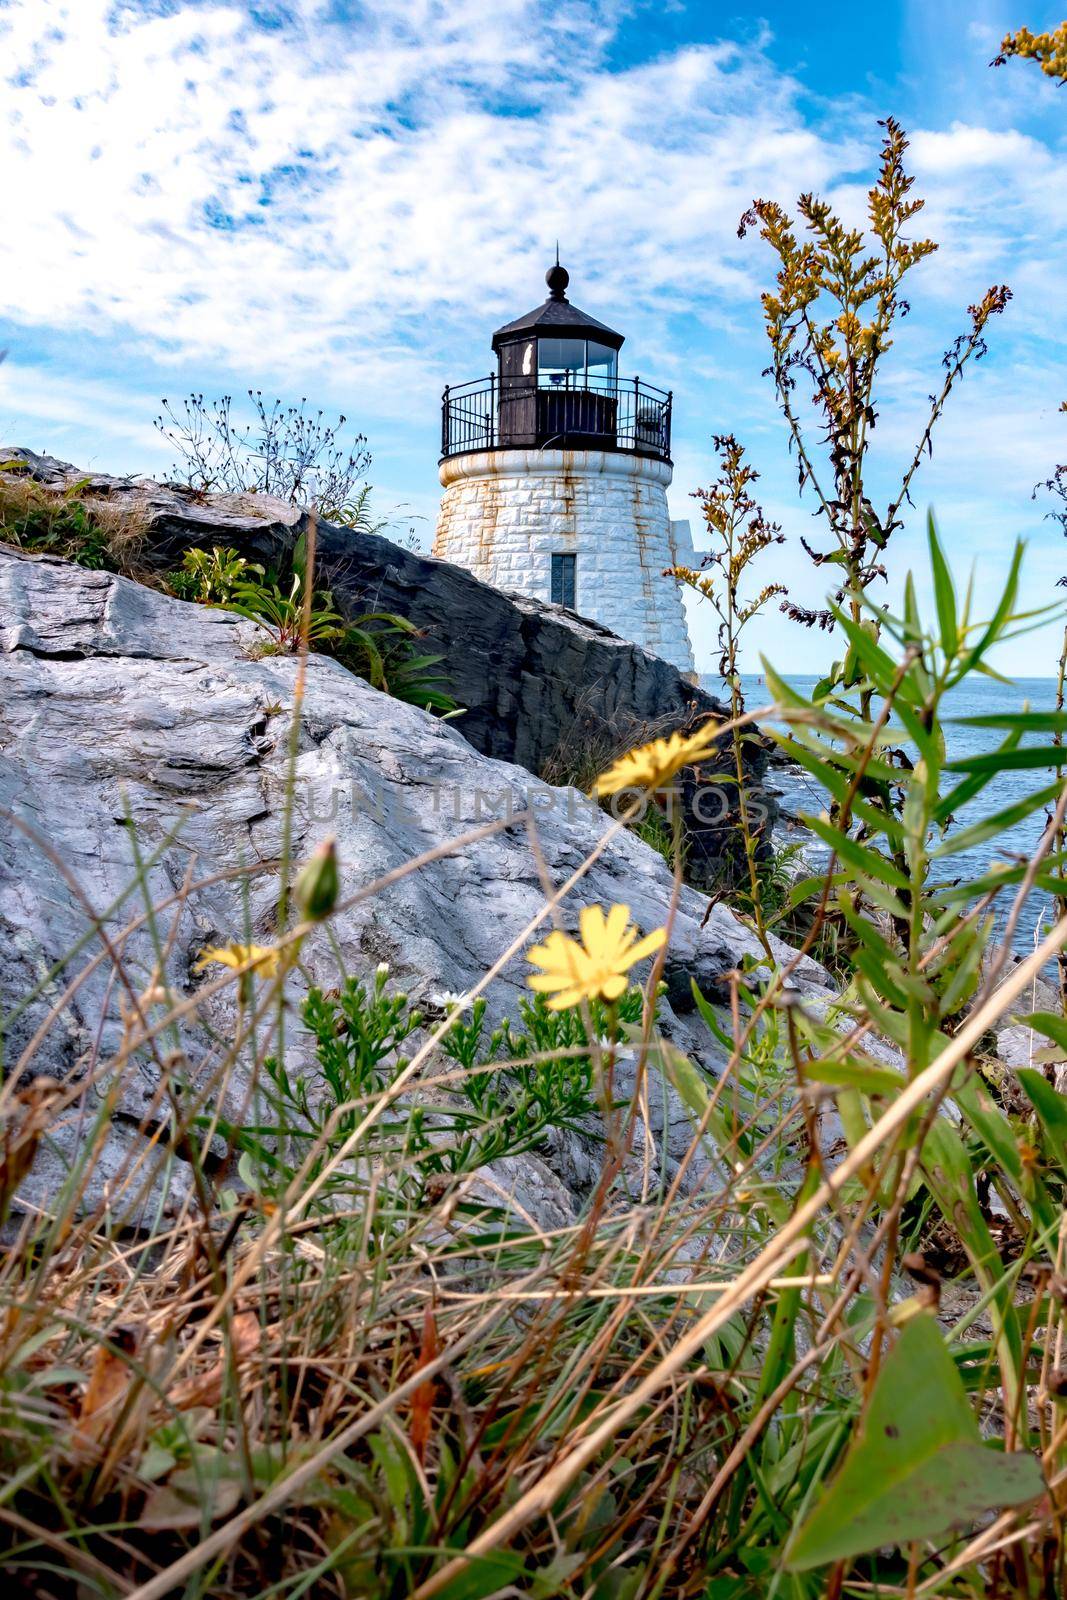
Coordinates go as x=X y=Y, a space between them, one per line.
x=505 y=513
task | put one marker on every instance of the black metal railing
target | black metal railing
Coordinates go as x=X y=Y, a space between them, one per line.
x=593 y=413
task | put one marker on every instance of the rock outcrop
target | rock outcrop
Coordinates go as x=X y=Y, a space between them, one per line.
x=143 y=762
x=540 y=686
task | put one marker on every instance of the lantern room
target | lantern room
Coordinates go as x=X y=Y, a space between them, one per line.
x=557 y=386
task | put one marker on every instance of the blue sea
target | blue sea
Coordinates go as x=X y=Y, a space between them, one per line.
x=977 y=697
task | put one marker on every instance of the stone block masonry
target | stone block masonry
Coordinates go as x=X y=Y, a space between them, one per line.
x=506 y=513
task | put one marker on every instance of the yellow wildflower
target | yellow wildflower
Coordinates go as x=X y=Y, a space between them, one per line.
x=263 y=958
x=652 y=764
x=596 y=967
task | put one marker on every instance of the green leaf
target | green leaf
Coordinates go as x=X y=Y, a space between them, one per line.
x=780 y=1353
x=999 y=822
x=1051 y=1109
x=1050 y=1023
x=835 y=782
x=880 y=665
x=883 y=977
x=783 y=694
x=687 y=1079
x=989 y=1122
x=855 y=1072
x=993 y=761
x=967 y=788
x=913 y=627
x=989 y=672
x=944 y=592
x=485 y=1575
x=1024 y=721
x=964 y=952
x=870 y=862
x=864 y=928
x=993 y=627
x=949 y=1175
x=929 y=745
x=710 y=1016
x=807 y=888
x=1001 y=876
x=917 y=1467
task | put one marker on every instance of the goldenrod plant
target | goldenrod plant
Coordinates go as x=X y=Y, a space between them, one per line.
x=1048 y=49
x=740 y=533
x=830 y=321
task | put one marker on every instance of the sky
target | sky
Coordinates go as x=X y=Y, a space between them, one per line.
x=341 y=199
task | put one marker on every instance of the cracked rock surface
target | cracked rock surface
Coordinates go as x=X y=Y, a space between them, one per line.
x=539 y=685
x=139 y=728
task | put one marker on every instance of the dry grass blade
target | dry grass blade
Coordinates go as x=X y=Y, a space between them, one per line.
x=789 y=1241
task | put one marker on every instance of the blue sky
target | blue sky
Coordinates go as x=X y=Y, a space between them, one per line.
x=342 y=200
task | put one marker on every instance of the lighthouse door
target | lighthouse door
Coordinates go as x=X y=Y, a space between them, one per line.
x=518 y=393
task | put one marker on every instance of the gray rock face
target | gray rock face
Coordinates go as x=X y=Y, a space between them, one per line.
x=143 y=758
x=172 y=519
x=540 y=686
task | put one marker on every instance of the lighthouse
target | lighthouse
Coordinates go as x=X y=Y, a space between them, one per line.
x=555 y=471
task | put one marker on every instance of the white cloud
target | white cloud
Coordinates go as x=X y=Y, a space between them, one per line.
x=962 y=148
x=345 y=204
x=370 y=194
x=324 y=191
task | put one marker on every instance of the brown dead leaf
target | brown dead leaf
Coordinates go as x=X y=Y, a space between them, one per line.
x=22 y=1124
x=422 y=1398
x=206 y=1389
x=107 y=1388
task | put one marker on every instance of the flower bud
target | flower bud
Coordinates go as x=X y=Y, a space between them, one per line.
x=317 y=886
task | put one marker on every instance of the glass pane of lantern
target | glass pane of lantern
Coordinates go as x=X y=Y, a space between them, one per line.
x=517 y=364
x=601 y=364
x=560 y=363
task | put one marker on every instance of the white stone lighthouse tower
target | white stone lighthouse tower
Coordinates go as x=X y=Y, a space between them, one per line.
x=555 y=471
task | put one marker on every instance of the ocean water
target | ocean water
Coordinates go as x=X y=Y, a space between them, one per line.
x=977 y=697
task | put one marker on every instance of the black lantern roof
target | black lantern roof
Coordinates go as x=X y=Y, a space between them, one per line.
x=557 y=317
x=544 y=397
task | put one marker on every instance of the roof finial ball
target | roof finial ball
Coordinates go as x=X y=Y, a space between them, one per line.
x=557 y=278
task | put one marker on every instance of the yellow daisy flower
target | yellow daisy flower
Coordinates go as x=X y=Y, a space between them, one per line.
x=652 y=764
x=263 y=958
x=598 y=965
